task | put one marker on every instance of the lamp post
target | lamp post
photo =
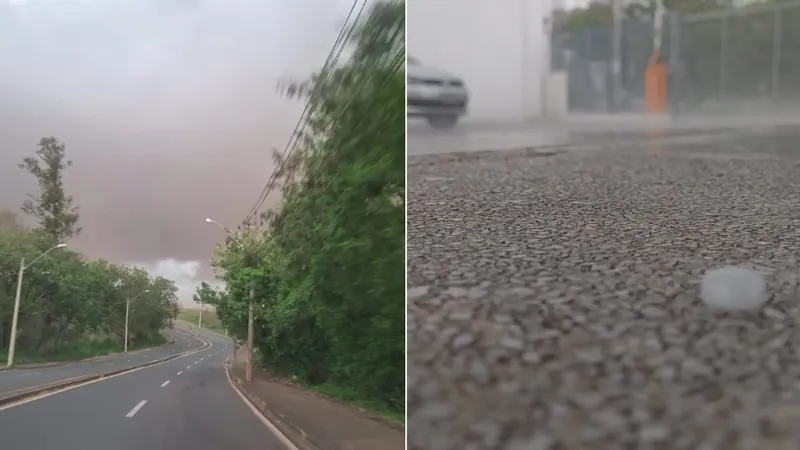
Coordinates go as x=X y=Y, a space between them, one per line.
x=127 y=315
x=15 y=317
x=250 y=331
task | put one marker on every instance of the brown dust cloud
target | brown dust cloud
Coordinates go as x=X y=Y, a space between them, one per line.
x=168 y=108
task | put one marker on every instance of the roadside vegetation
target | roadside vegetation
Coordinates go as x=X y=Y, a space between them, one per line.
x=327 y=266
x=70 y=308
x=210 y=320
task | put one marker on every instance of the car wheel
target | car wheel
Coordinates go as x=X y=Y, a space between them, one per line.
x=442 y=122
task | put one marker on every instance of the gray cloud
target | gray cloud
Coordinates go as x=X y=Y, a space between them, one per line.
x=168 y=110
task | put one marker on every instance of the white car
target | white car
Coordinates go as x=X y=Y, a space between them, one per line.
x=438 y=96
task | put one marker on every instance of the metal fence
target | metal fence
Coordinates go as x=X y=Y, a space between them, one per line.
x=725 y=60
x=746 y=56
x=586 y=55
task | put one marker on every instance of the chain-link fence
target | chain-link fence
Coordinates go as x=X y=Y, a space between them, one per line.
x=586 y=54
x=729 y=60
x=745 y=56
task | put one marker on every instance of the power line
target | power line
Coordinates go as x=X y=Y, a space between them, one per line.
x=396 y=61
x=340 y=42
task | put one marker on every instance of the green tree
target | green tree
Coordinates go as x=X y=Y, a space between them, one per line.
x=71 y=308
x=328 y=271
x=52 y=207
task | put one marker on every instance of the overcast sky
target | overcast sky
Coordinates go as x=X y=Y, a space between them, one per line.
x=167 y=107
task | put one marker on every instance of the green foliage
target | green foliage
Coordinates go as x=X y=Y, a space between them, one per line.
x=328 y=273
x=709 y=29
x=70 y=307
x=206 y=295
x=600 y=13
x=52 y=207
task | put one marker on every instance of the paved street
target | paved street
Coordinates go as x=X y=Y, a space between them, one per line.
x=24 y=379
x=186 y=403
x=554 y=299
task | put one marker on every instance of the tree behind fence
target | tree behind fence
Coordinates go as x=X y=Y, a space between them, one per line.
x=739 y=56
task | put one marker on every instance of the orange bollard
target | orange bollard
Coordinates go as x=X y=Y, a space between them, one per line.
x=655 y=85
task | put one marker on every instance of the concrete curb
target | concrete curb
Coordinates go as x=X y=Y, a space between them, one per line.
x=295 y=434
x=431 y=158
x=78 y=361
x=63 y=384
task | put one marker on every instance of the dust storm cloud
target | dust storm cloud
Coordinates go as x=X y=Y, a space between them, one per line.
x=167 y=107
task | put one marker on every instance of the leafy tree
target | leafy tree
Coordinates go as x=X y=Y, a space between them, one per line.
x=206 y=295
x=749 y=41
x=70 y=307
x=328 y=271
x=52 y=207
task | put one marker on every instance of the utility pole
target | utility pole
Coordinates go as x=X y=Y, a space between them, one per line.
x=12 y=345
x=616 y=55
x=200 y=317
x=127 y=315
x=249 y=371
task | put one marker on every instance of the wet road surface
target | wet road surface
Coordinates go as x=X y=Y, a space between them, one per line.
x=186 y=403
x=16 y=380
x=555 y=299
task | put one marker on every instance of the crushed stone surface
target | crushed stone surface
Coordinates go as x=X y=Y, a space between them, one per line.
x=554 y=301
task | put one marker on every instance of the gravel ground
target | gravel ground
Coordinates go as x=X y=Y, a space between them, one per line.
x=554 y=301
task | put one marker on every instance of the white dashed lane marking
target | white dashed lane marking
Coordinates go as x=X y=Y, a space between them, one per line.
x=135 y=409
x=165 y=383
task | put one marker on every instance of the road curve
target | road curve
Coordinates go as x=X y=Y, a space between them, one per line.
x=23 y=379
x=186 y=403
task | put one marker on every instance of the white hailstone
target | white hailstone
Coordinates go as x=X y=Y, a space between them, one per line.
x=733 y=289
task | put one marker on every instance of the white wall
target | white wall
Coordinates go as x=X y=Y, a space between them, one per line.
x=499 y=47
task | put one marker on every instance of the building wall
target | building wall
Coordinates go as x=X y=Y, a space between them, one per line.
x=499 y=47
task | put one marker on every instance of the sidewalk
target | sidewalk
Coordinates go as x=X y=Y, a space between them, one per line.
x=311 y=421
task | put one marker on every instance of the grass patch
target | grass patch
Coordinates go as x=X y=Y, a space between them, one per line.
x=79 y=349
x=352 y=397
x=342 y=393
x=209 y=322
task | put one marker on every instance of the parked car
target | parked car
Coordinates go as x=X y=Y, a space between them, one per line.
x=438 y=96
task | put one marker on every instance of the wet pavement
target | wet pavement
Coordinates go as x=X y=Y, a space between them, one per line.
x=554 y=295
x=23 y=379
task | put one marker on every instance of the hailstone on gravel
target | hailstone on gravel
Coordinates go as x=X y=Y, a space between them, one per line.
x=734 y=289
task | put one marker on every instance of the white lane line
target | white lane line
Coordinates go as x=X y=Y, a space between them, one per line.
x=165 y=383
x=188 y=367
x=195 y=363
x=260 y=416
x=80 y=385
x=135 y=409
x=179 y=372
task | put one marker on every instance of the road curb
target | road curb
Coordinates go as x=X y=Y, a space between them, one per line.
x=546 y=150
x=78 y=361
x=63 y=384
x=293 y=433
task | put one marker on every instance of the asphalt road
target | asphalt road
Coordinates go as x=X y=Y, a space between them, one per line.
x=553 y=301
x=23 y=379
x=185 y=403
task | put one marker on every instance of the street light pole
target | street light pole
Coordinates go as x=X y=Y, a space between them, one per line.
x=616 y=54
x=12 y=345
x=249 y=369
x=250 y=331
x=127 y=314
x=226 y=230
